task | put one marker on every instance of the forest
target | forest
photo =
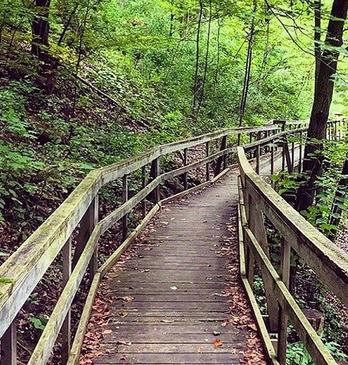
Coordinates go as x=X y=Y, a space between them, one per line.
x=85 y=84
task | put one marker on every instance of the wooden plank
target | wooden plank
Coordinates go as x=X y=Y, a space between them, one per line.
x=188 y=358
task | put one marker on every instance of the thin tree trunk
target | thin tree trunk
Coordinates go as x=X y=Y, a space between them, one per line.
x=40 y=30
x=216 y=79
x=322 y=102
x=198 y=38
x=67 y=24
x=247 y=72
x=206 y=61
x=317 y=37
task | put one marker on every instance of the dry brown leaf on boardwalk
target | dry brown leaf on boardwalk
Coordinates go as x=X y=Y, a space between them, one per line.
x=217 y=343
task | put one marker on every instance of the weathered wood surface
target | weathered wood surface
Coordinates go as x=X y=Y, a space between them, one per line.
x=179 y=282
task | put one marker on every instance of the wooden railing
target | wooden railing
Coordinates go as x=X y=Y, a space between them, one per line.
x=75 y=226
x=260 y=203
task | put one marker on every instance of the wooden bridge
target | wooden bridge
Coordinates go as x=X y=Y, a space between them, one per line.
x=179 y=294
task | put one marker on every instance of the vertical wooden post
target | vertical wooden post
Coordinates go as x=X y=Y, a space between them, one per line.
x=93 y=264
x=272 y=159
x=223 y=147
x=155 y=172
x=66 y=327
x=143 y=185
x=258 y=159
x=293 y=155
x=87 y=224
x=250 y=137
x=9 y=346
x=207 y=173
x=283 y=317
x=125 y=191
x=185 y=174
x=221 y=161
x=257 y=226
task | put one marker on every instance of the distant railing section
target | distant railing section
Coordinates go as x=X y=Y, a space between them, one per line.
x=259 y=203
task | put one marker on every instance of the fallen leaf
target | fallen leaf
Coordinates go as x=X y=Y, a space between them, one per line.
x=217 y=343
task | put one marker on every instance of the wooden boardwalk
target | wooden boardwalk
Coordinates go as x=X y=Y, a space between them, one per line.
x=173 y=301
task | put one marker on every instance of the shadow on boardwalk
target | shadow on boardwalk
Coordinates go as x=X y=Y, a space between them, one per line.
x=175 y=296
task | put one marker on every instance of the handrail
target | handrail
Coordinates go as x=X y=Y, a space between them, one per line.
x=23 y=270
x=259 y=200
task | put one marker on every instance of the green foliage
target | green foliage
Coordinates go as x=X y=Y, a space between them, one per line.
x=298 y=355
x=38 y=323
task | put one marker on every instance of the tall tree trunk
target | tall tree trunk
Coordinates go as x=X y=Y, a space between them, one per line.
x=40 y=30
x=317 y=37
x=322 y=102
x=206 y=61
x=217 y=70
x=247 y=72
x=198 y=38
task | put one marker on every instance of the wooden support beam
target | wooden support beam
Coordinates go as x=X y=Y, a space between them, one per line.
x=125 y=193
x=143 y=185
x=9 y=346
x=155 y=172
x=185 y=164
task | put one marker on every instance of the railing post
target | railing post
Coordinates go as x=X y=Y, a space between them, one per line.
x=258 y=159
x=207 y=172
x=125 y=191
x=185 y=174
x=87 y=224
x=143 y=185
x=66 y=327
x=155 y=172
x=9 y=346
x=93 y=264
x=221 y=160
x=283 y=317
x=272 y=159
x=293 y=155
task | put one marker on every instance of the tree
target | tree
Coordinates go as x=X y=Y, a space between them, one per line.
x=321 y=104
x=40 y=30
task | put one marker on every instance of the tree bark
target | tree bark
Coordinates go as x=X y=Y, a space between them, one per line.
x=40 y=30
x=247 y=73
x=321 y=103
x=206 y=61
x=198 y=37
x=317 y=37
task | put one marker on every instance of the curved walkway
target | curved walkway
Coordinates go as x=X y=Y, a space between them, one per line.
x=177 y=298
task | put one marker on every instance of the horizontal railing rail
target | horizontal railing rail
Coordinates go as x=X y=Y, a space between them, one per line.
x=77 y=219
x=259 y=202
